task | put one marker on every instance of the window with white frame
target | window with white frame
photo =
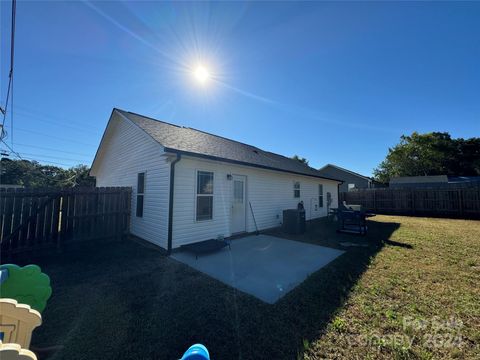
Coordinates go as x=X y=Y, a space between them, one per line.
x=204 y=196
x=320 y=195
x=296 y=189
x=140 y=193
x=351 y=187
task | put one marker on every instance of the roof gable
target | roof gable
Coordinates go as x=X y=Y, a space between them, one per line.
x=111 y=130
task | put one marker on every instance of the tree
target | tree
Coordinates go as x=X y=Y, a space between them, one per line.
x=80 y=175
x=433 y=153
x=32 y=174
x=301 y=159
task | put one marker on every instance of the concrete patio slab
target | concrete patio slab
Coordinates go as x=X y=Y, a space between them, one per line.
x=264 y=266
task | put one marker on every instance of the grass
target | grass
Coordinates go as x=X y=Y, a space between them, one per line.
x=127 y=301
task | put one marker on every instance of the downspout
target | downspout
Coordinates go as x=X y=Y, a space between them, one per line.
x=170 y=202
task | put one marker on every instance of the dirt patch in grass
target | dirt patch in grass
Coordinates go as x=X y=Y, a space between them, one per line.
x=126 y=301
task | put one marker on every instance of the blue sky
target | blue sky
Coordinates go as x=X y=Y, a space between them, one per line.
x=333 y=82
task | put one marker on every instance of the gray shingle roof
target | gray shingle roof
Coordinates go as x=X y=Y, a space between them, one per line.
x=194 y=142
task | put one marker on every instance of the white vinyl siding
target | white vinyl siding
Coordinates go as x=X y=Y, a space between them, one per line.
x=125 y=152
x=269 y=192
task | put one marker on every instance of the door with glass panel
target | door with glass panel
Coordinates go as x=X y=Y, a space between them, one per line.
x=238 y=204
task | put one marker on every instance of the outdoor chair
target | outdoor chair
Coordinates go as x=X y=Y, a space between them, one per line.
x=352 y=219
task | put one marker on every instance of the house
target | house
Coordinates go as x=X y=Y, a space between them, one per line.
x=433 y=181
x=190 y=186
x=351 y=180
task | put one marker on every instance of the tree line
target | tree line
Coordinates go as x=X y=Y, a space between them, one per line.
x=435 y=153
x=32 y=174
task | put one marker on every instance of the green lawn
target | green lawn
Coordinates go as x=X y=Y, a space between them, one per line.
x=126 y=301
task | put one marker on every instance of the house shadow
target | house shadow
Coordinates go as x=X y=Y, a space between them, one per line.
x=312 y=305
x=152 y=307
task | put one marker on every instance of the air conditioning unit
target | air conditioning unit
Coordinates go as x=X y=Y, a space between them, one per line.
x=294 y=221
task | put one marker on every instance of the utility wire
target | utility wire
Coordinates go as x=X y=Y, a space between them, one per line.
x=52 y=149
x=39 y=171
x=37 y=157
x=36 y=112
x=13 y=151
x=45 y=119
x=11 y=116
x=10 y=73
x=46 y=161
x=53 y=137
x=52 y=157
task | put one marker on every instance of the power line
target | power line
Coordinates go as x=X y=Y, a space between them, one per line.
x=53 y=137
x=10 y=74
x=36 y=112
x=52 y=149
x=38 y=170
x=52 y=157
x=38 y=157
x=11 y=116
x=13 y=151
x=43 y=118
x=46 y=161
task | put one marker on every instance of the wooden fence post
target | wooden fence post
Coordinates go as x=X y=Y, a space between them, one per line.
x=128 y=198
x=7 y=212
x=63 y=220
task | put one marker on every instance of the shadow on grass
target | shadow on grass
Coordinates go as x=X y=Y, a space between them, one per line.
x=125 y=301
x=399 y=244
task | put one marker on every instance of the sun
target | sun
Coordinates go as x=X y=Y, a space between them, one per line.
x=201 y=74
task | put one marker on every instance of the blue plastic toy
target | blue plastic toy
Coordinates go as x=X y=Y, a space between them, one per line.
x=3 y=275
x=196 y=352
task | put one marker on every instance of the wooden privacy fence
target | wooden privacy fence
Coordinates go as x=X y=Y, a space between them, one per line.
x=33 y=219
x=443 y=202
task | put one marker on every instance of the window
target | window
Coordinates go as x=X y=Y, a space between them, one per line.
x=140 y=193
x=351 y=187
x=204 y=195
x=296 y=189
x=238 y=192
x=320 y=195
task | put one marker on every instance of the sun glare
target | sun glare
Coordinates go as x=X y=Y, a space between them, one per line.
x=201 y=74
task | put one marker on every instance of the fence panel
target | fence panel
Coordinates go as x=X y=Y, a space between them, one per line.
x=461 y=202
x=44 y=218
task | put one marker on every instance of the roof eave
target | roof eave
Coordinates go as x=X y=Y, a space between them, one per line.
x=216 y=158
x=101 y=142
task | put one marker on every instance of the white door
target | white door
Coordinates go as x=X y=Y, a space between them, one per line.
x=238 y=204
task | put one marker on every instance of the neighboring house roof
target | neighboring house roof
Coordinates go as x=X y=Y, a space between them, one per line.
x=346 y=170
x=189 y=141
x=419 y=179
x=434 y=180
x=463 y=179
